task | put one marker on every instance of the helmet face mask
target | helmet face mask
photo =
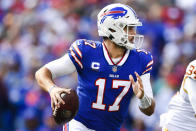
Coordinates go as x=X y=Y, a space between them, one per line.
x=134 y=40
x=119 y=22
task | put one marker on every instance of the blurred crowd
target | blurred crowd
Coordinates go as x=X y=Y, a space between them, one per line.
x=34 y=32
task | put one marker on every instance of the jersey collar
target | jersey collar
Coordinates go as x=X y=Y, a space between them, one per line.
x=109 y=59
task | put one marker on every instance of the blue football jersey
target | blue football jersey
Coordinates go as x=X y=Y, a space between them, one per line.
x=104 y=88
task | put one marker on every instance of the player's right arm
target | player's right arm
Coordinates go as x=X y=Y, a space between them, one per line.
x=47 y=73
x=67 y=64
x=190 y=83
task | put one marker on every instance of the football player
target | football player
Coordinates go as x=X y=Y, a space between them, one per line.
x=109 y=72
x=181 y=115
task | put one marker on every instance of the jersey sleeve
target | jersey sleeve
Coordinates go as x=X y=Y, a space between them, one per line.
x=76 y=53
x=191 y=70
x=146 y=61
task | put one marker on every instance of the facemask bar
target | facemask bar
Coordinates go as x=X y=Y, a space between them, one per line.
x=134 y=40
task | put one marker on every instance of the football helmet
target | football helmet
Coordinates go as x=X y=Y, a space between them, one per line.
x=112 y=21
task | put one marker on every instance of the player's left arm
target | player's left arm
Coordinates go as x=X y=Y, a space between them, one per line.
x=142 y=86
x=191 y=84
x=143 y=91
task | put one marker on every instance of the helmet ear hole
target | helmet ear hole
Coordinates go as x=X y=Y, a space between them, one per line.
x=122 y=39
x=112 y=30
x=121 y=25
x=111 y=37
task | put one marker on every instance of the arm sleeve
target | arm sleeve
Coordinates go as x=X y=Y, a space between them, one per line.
x=191 y=84
x=61 y=66
x=147 y=85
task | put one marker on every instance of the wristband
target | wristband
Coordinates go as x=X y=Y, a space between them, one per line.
x=145 y=102
x=52 y=87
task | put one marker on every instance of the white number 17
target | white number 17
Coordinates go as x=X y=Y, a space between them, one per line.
x=101 y=82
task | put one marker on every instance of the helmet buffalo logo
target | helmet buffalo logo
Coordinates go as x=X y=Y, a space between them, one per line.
x=115 y=13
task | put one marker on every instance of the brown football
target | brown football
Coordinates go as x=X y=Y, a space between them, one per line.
x=67 y=111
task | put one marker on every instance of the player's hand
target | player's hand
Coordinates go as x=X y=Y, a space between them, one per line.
x=56 y=99
x=137 y=86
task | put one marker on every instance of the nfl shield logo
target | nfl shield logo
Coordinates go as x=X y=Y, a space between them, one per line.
x=114 y=68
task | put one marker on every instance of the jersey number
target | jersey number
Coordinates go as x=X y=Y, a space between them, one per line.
x=93 y=45
x=191 y=71
x=101 y=82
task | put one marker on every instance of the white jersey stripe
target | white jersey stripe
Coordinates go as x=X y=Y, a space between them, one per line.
x=110 y=60
x=77 y=50
x=147 y=70
x=107 y=55
x=76 y=59
x=123 y=60
x=149 y=64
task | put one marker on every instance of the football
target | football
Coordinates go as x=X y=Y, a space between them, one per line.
x=67 y=111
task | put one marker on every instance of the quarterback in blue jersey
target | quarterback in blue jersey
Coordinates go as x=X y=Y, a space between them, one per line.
x=109 y=73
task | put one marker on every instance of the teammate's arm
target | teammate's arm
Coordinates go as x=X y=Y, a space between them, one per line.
x=143 y=91
x=190 y=83
x=47 y=73
x=191 y=88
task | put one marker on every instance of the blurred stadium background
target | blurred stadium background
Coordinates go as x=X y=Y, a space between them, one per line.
x=34 y=32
